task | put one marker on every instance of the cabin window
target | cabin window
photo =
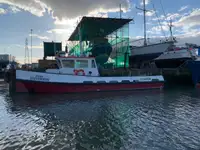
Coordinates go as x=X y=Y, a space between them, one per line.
x=68 y=63
x=93 y=64
x=58 y=63
x=81 y=63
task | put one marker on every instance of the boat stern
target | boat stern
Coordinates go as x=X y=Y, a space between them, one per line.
x=194 y=66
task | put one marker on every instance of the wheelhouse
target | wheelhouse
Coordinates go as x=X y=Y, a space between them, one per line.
x=76 y=66
x=76 y=62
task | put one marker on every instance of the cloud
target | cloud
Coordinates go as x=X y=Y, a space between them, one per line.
x=68 y=9
x=183 y=8
x=36 y=47
x=33 y=6
x=173 y=16
x=146 y=2
x=191 y=19
x=10 y=9
x=67 y=13
x=2 y=11
x=58 y=31
x=182 y=34
x=158 y=29
x=14 y=9
x=149 y=13
x=21 y=59
x=39 y=46
x=39 y=37
x=185 y=24
x=65 y=27
x=169 y=16
x=190 y=36
x=75 y=8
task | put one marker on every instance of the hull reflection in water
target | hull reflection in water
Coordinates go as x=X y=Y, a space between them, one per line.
x=42 y=87
x=113 y=120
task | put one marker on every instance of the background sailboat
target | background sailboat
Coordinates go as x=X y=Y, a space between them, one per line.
x=147 y=52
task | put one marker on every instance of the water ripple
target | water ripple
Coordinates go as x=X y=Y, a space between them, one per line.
x=109 y=121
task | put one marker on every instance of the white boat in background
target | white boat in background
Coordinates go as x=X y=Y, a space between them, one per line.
x=177 y=56
x=148 y=52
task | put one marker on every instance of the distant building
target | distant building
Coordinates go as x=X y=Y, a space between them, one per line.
x=4 y=60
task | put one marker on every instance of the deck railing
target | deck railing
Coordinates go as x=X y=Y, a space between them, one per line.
x=130 y=72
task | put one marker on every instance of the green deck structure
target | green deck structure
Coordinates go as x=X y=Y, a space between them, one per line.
x=51 y=47
x=106 y=38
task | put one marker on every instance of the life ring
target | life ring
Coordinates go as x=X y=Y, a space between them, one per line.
x=76 y=72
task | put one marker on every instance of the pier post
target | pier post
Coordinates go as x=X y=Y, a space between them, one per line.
x=12 y=82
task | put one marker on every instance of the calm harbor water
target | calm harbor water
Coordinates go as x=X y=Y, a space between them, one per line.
x=150 y=120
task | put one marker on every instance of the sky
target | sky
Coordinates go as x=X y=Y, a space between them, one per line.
x=55 y=20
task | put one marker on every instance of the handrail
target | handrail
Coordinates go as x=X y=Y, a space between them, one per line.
x=182 y=65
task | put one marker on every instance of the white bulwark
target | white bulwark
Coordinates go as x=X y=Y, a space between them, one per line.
x=60 y=78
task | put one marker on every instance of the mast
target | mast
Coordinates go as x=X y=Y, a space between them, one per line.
x=31 y=44
x=144 y=13
x=26 y=51
x=120 y=10
x=170 y=28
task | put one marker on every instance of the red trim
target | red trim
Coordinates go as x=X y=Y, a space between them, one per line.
x=198 y=85
x=76 y=71
x=74 y=57
x=41 y=87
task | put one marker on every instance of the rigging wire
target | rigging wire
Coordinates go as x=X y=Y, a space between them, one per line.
x=168 y=20
x=164 y=12
x=159 y=22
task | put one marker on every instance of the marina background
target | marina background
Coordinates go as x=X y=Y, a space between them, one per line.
x=167 y=119
x=19 y=18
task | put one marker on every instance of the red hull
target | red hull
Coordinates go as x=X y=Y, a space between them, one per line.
x=41 y=87
x=198 y=85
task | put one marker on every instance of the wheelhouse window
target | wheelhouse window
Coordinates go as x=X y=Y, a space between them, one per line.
x=93 y=64
x=68 y=63
x=81 y=63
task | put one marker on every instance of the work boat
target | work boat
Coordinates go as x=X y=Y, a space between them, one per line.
x=78 y=74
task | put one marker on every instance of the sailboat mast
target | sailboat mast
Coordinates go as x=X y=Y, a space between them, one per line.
x=170 y=28
x=31 y=44
x=120 y=11
x=144 y=11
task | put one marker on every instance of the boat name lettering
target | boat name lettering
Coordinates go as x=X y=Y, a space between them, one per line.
x=39 y=78
x=145 y=79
